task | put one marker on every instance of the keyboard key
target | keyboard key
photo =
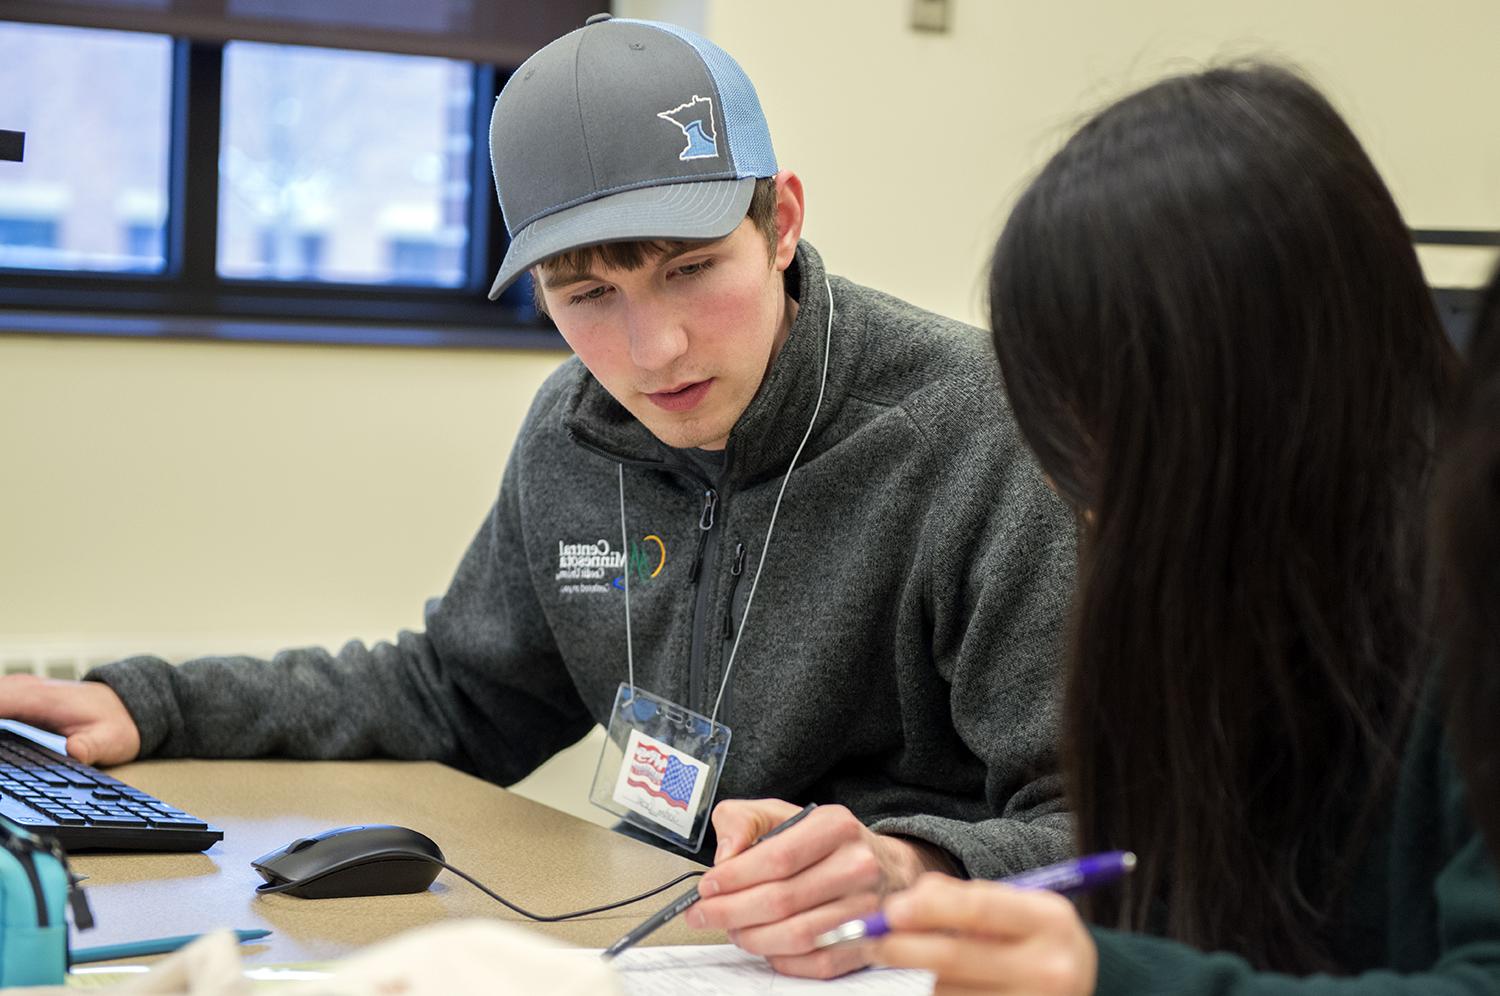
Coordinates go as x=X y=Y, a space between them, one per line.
x=180 y=824
x=110 y=820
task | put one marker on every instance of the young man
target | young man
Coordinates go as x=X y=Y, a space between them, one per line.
x=759 y=494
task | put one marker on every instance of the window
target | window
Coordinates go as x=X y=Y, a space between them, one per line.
x=219 y=183
x=92 y=191
x=344 y=166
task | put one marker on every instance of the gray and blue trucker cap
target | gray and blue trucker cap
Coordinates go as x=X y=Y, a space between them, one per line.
x=624 y=130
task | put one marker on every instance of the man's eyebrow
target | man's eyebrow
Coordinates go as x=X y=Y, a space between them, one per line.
x=686 y=247
x=562 y=278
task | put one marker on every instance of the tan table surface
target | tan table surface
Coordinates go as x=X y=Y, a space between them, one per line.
x=535 y=856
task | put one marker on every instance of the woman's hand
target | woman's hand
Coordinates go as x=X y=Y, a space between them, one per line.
x=986 y=937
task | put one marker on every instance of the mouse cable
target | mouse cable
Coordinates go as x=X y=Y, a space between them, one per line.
x=540 y=918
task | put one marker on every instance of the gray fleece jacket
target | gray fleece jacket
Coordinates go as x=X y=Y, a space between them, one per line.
x=901 y=657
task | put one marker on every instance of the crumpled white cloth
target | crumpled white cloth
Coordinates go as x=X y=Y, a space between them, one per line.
x=467 y=956
x=464 y=956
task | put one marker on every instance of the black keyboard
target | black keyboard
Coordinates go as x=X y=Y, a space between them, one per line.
x=87 y=810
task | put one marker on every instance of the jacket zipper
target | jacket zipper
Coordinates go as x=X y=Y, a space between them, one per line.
x=705 y=526
x=699 y=641
x=735 y=571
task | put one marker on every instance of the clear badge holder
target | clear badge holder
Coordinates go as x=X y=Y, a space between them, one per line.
x=660 y=766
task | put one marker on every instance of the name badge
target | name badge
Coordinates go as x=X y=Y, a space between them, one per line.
x=660 y=766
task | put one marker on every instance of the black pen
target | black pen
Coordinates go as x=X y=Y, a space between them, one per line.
x=679 y=905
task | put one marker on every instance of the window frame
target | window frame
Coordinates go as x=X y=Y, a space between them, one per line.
x=195 y=301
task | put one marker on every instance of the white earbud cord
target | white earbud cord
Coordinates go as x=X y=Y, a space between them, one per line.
x=765 y=545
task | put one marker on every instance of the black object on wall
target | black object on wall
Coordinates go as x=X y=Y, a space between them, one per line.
x=12 y=145
x=1457 y=306
x=1455 y=237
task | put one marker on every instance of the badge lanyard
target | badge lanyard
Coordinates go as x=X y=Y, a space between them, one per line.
x=660 y=767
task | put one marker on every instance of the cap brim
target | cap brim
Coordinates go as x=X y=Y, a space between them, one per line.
x=706 y=209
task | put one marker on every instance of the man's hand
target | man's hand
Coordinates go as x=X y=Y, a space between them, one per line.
x=97 y=724
x=984 y=937
x=775 y=898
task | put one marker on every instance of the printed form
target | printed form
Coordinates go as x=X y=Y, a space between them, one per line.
x=723 y=968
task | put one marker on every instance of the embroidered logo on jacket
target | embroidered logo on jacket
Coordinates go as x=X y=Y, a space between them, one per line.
x=599 y=568
x=696 y=119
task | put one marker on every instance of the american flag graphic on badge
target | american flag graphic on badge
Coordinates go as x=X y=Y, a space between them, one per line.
x=658 y=773
x=659 y=782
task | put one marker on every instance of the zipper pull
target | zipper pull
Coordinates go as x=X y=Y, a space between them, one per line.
x=705 y=523
x=735 y=570
x=78 y=900
x=710 y=502
x=83 y=917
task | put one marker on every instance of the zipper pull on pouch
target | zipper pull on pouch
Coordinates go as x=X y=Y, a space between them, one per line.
x=83 y=917
x=78 y=900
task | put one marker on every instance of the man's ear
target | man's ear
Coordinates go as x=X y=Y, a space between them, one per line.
x=789 y=210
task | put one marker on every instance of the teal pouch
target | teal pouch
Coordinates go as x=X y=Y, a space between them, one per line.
x=36 y=888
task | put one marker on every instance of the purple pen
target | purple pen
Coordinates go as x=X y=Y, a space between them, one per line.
x=1075 y=875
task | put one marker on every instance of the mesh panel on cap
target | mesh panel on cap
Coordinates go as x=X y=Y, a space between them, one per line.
x=749 y=136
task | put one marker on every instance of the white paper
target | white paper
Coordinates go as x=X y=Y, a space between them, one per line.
x=723 y=968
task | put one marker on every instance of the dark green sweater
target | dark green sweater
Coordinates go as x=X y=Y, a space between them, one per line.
x=1430 y=926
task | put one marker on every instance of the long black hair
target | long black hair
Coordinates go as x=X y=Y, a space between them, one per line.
x=1467 y=520
x=1217 y=340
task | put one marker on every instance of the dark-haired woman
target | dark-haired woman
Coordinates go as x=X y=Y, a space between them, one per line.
x=1217 y=340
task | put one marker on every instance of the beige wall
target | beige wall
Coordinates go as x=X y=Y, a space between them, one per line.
x=221 y=495
x=215 y=497
x=912 y=145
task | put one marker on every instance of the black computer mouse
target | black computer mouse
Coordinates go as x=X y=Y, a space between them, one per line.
x=373 y=860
